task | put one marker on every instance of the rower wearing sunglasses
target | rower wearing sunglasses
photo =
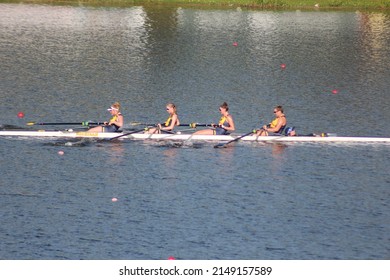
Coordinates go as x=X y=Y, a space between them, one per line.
x=276 y=126
x=170 y=123
x=224 y=126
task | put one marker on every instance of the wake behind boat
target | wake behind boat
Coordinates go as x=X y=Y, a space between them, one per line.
x=188 y=137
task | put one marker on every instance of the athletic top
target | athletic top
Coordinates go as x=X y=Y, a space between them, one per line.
x=223 y=121
x=274 y=123
x=219 y=130
x=114 y=119
x=168 y=121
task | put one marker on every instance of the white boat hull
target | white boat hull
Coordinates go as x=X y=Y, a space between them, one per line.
x=190 y=137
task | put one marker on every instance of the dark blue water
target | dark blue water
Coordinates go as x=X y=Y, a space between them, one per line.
x=248 y=201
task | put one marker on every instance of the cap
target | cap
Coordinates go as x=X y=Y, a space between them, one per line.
x=112 y=108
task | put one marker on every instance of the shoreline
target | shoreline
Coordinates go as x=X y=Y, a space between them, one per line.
x=306 y=5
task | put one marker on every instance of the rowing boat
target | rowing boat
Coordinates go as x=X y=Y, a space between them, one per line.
x=187 y=137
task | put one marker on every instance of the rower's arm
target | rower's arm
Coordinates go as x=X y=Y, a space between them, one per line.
x=118 y=122
x=175 y=120
x=277 y=127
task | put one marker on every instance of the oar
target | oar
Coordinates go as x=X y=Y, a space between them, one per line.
x=122 y=135
x=223 y=145
x=66 y=123
x=140 y=123
x=192 y=125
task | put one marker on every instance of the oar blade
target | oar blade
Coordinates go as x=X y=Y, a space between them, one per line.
x=220 y=145
x=224 y=145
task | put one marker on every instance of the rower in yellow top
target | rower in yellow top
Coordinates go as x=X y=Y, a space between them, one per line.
x=170 y=123
x=276 y=126
x=114 y=124
x=224 y=126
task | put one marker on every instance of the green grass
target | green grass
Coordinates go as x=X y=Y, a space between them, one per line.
x=261 y=4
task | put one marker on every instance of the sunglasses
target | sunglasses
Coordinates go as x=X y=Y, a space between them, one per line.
x=167 y=109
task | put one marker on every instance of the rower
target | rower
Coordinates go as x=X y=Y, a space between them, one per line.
x=170 y=123
x=114 y=124
x=224 y=126
x=276 y=126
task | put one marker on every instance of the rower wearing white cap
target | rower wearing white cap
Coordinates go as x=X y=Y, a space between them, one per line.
x=114 y=124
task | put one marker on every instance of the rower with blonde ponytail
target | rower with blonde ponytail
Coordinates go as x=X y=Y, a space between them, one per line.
x=169 y=124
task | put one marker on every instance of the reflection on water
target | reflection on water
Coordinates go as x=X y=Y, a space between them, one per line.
x=278 y=160
x=374 y=30
x=170 y=159
x=278 y=150
x=115 y=153
x=67 y=64
x=143 y=57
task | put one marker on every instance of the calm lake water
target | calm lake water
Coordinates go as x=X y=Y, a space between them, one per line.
x=248 y=201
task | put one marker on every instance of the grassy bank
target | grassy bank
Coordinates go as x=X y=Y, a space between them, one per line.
x=261 y=4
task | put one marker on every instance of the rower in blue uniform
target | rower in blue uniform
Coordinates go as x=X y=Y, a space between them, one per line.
x=225 y=125
x=276 y=126
x=169 y=124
